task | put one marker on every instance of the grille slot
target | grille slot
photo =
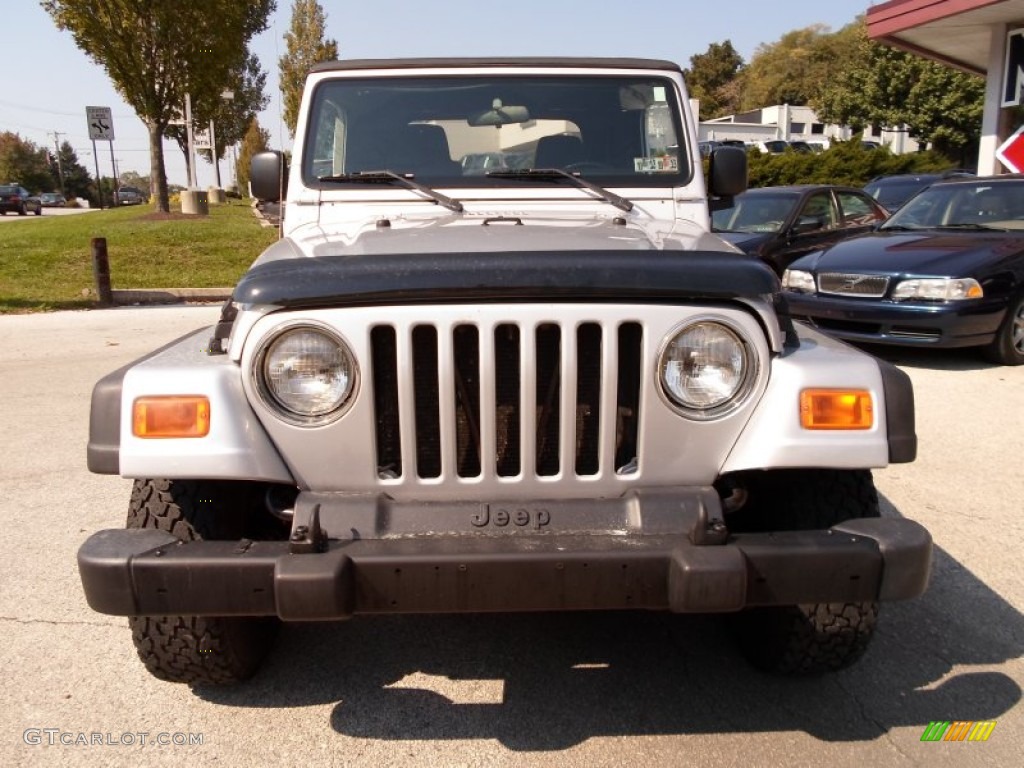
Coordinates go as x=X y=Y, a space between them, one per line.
x=843 y=284
x=467 y=400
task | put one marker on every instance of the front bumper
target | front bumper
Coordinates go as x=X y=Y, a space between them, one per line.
x=149 y=572
x=878 y=321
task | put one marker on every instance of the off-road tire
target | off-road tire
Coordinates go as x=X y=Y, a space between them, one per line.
x=1007 y=348
x=198 y=650
x=806 y=639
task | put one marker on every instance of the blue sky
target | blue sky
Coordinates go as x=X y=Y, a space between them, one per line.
x=48 y=82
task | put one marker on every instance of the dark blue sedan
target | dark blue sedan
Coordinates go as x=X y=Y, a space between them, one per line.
x=947 y=270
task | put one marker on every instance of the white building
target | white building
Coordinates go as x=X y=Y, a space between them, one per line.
x=789 y=123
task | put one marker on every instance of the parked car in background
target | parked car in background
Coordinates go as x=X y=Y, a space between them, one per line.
x=893 y=191
x=709 y=146
x=946 y=270
x=52 y=200
x=130 y=196
x=16 y=199
x=803 y=146
x=781 y=224
x=771 y=147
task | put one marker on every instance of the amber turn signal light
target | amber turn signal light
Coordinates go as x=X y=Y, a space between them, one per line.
x=836 y=409
x=171 y=416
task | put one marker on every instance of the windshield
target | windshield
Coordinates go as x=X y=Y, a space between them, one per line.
x=620 y=131
x=982 y=205
x=892 y=194
x=754 y=213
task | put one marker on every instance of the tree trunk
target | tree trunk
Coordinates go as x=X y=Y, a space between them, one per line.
x=157 y=172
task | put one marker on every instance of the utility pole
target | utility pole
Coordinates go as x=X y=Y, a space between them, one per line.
x=60 y=167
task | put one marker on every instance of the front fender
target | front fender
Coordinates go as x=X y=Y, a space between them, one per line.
x=237 y=447
x=774 y=438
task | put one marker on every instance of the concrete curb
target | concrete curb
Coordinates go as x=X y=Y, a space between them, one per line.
x=129 y=296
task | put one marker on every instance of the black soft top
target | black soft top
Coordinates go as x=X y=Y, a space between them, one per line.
x=564 y=62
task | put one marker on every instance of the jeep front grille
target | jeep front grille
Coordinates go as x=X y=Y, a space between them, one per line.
x=842 y=284
x=506 y=400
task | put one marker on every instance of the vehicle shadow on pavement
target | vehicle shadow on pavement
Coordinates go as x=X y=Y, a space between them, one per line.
x=551 y=681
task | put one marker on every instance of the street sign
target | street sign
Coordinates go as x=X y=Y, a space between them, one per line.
x=1011 y=151
x=101 y=123
x=201 y=139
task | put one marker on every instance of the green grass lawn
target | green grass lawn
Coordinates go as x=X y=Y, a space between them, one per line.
x=47 y=264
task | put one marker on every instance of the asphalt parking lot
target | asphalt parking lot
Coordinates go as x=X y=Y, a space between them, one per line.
x=522 y=690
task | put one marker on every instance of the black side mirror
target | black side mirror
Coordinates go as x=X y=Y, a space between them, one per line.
x=727 y=172
x=268 y=173
x=807 y=224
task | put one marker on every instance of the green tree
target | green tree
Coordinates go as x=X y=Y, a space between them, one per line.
x=156 y=52
x=230 y=116
x=133 y=179
x=256 y=140
x=792 y=70
x=891 y=88
x=77 y=181
x=710 y=77
x=23 y=162
x=306 y=46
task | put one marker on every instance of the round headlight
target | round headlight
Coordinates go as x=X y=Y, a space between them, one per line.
x=308 y=374
x=704 y=368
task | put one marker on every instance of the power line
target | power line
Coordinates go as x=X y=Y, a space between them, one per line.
x=52 y=111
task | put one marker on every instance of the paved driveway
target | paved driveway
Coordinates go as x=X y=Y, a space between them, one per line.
x=564 y=690
x=47 y=213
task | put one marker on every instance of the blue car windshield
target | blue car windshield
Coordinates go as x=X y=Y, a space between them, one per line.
x=987 y=204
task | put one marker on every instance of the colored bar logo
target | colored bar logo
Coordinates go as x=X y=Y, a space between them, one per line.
x=958 y=730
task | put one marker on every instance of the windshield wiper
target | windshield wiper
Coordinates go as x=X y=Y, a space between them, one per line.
x=900 y=228
x=557 y=173
x=385 y=175
x=973 y=226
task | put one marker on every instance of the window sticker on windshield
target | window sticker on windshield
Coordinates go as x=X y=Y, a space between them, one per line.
x=659 y=93
x=663 y=164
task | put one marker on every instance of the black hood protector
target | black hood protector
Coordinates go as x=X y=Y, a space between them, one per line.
x=514 y=276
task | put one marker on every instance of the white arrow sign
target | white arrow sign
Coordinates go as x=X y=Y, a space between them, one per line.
x=101 y=123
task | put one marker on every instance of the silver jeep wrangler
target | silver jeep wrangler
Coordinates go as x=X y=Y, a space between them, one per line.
x=534 y=384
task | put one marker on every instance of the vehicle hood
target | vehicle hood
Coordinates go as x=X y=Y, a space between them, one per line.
x=748 y=242
x=932 y=253
x=494 y=235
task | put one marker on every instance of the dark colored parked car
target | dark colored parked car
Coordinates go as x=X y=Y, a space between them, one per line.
x=781 y=224
x=17 y=199
x=894 y=191
x=52 y=200
x=130 y=196
x=947 y=270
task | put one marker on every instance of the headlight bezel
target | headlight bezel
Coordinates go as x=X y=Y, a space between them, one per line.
x=259 y=375
x=971 y=284
x=741 y=393
x=806 y=275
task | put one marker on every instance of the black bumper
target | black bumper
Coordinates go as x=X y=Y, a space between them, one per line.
x=149 y=572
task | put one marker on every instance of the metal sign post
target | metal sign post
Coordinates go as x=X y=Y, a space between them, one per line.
x=99 y=181
x=191 y=143
x=101 y=128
